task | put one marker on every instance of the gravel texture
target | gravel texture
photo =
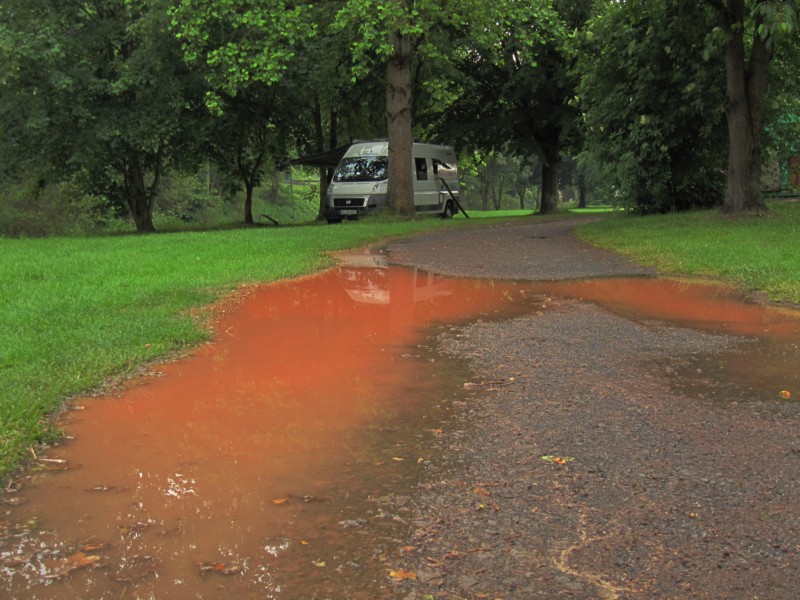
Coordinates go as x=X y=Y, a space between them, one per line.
x=576 y=468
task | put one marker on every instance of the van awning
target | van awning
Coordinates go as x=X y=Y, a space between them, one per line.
x=328 y=160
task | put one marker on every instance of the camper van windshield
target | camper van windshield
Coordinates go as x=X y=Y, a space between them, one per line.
x=362 y=168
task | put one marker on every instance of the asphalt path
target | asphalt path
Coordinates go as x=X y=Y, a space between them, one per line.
x=608 y=457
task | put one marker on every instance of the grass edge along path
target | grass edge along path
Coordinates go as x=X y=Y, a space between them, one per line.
x=77 y=313
x=758 y=252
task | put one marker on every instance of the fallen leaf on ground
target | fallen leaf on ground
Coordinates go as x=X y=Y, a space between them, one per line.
x=319 y=563
x=559 y=460
x=92 y=546
x=15 y=561
x=279 y=501
x=80 y=559
x=786 y=394
x=219 y=567
x=402 y=575
x=77 y=560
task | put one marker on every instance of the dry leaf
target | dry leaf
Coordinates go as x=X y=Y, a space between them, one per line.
x=219 y=567
x=279 y=501
x=786 y=394
x=559 y=460
x=402 y=575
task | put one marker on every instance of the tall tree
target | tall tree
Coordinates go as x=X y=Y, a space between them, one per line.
x=752 y=29
x=100 y=87
x=518 y=89
x=651 y=105
x=256 y=129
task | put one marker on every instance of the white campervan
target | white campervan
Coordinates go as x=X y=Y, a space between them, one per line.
x=359 y=183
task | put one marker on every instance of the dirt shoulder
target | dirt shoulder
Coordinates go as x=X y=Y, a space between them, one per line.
x=582 y=470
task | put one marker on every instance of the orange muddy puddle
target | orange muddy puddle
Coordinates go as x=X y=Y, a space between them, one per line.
x=277 y=461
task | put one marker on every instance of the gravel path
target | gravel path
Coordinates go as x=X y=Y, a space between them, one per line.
x=646 y=490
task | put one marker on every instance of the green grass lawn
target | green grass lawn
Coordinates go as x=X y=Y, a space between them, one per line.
x=758 y=252
x=77 y=312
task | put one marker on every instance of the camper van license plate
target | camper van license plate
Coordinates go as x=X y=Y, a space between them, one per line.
x=348 y=212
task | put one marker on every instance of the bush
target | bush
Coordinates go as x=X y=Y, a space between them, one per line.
x=37 y=209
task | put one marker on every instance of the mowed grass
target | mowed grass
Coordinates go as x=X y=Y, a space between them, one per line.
x=759 y=252
x=78 y=312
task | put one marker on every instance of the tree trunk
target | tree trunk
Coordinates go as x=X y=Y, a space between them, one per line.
x=324 y=174
x=248 y=201
x=551 y=163
x=319 y=146
x=140 y=199
x=744 y=106
x=400 y=193
x=497 y=191
x=581 y=189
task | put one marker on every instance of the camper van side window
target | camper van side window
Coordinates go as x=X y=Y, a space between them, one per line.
x=422 y=169
x=442 y=168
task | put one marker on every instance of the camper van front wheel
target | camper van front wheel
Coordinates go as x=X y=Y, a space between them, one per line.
x=447 y=213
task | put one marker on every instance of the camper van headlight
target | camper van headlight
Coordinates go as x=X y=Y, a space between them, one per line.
x=380 y=187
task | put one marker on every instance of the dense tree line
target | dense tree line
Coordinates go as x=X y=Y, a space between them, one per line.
x=667 y=105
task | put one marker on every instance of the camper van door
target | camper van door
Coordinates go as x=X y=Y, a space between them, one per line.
x=426 y=186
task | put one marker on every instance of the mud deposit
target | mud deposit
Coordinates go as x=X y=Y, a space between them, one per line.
x=281 y=461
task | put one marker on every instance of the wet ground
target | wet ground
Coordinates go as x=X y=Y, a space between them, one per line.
x=629 y=439
x=360 y=433
x=275 y=462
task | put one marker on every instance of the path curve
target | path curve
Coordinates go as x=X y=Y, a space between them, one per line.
x=664 y=491
x=538 y=250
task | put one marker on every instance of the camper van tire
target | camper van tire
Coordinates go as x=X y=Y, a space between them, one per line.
x=448 y=211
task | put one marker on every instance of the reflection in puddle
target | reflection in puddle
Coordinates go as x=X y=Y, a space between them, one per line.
x=277 y=462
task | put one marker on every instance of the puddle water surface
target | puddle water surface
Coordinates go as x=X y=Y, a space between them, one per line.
x=276 y=462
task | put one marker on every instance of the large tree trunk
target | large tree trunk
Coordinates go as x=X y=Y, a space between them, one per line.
x=744 y=105
x=551 y=165
x=400 y=193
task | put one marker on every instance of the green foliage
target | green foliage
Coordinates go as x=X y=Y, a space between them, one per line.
x=483 y=24
x=31 y=210
x=99 y=88
x=783 y=107
x=653 y=108
x=240 y=41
